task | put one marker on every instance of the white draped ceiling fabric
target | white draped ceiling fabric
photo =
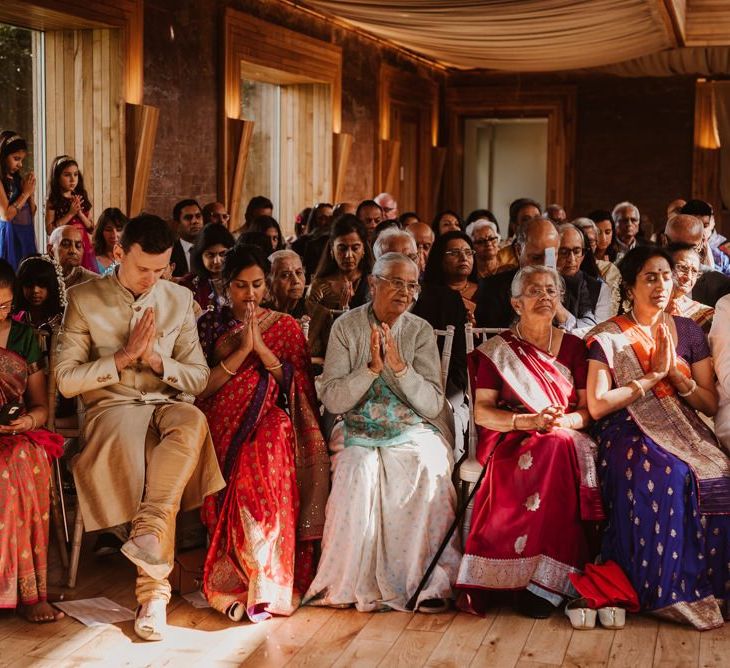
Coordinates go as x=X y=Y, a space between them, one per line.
x=529 y=35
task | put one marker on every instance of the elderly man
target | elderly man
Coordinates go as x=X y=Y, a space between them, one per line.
x=371 y=215
x=387 y=203
x=424 y=236
x=392 y=499
x=66 y=246
x=710 y=254
x=536 y=242
x=286 y=282
x=188 y=220
x=626 y=217
x=129 y=346
x=556 y=213
x=571 y=252
x=711 y=285
x=215 y=213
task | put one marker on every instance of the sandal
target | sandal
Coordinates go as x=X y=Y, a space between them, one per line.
x=433 y=606
x=580 y=615
x=612 y=617
x=151 y=625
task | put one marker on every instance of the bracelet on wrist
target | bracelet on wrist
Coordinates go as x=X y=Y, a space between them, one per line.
x=692 y=388
x=127 y=355
x=274 y=367
x=638 y=385
x=401 y=373
x=226 y=369
x=514 y=421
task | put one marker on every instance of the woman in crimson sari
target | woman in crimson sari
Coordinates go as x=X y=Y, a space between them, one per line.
x=665 y=480
x=25 y=470
x=527 y=533
x=263 y=524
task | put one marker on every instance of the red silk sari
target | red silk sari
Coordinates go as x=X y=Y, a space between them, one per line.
x=263 y=524
x=526 y=526
x=24 y=482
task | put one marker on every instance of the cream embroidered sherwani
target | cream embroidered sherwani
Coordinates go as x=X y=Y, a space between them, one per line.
x=137 y=431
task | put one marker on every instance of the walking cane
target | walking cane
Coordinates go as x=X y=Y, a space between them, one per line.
x=411 y=605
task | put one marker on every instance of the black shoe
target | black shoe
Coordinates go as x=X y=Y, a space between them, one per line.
x=106 y=544
x=534 y=606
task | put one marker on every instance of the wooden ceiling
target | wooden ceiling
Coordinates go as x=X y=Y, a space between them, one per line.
x=536 y=35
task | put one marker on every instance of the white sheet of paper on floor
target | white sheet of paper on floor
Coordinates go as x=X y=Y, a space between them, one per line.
x=96 y=611
x=196 y=599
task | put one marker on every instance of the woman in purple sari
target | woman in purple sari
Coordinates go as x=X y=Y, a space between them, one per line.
x=665 y=481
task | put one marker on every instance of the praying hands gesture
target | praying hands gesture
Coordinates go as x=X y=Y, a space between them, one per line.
x=346 y=295
x=664 y=357
x=384 y=343
x=140 y=344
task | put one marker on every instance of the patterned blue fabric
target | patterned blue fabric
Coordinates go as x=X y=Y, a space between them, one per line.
x=722 y=261
x=17 y=237
x=655 y=532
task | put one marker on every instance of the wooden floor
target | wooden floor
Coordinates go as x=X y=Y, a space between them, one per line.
x=323 y=637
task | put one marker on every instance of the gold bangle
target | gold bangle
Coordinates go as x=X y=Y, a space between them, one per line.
x=642 y=391
x=274 y=367
x=129 y=357
x=692 y=388
x=514 y=421
x=34 y=422
x=226 y=369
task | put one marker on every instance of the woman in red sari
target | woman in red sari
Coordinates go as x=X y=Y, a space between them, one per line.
x=263 y=524
x=25 y=470
x=527 y=532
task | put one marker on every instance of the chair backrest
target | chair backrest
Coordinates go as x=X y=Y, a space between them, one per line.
x=72 y=432
x=481 y=333
x=448 y=335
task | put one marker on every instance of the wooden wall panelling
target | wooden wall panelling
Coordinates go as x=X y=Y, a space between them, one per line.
x=141 y=122
x=241 y=133
x=342 y=144
x=438 y=162
x=706 y=149
x=390 y=159
x=556 y=103
x=85 y=115
x=278 y=50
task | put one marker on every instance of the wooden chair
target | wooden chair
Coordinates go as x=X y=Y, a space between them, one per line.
x=471 y=468
x=448 y=335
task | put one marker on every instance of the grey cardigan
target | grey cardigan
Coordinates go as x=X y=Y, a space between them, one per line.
x=346 y=377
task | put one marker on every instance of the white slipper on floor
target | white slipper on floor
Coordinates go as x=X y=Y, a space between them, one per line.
x=152 y=624
x=580 y=615
x=612 y=617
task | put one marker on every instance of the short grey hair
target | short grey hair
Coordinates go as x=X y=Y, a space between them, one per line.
x=473 y=228
x=57 y=235
x=623 y=205
x=386 y=261
x=391 y=234
x=586 y=224
x=518 y=282
x=280 y=255
x=567 y=227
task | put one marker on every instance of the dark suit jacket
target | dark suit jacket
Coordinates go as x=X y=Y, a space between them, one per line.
x=710 y=286
x=441 y=306
x=180 y=258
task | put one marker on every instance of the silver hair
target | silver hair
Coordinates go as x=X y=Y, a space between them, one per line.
x=567 y=227
x=57 y=235
x=473 y=228
x=521 y=232
x=384 y=262
x=278 y=256
x=624 y=205
x=586 y=224
x=391 y=234
x=518 y=282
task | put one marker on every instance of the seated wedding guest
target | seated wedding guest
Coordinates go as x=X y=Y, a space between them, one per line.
x=447 y=221
x=407 y=218
x=536 y=243
x=268 y=226
x=389 y=206
x=711 y=256
x=206 y=261
x=686 y=271
x=342 y=208
x=520 y=211
x=485 y=237
x=300 y=225
x=392 y=499
x=478 y=214
x=40 y=295
x=527 y=530
x=215 y=212
x=626 y=217
x=575 y=264
x=605 y=236
x=424 y=236
x=665 y=481
x=341 y=280
x=556 y=213
x=286 y=283
x=66 y=246
x=106 y=235
x=711 y=284
x=311 y=245
x=607 y=270
x=259 y=205
x=262 y=526
x=129 y=346
x=187 y=217
x=451 y=263
x=370 y=214
x=25 y=471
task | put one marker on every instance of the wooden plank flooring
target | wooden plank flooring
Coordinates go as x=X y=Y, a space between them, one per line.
x=321 y=637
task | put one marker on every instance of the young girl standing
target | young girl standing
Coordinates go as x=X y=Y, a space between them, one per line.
x=17 y=208
x=68 y=204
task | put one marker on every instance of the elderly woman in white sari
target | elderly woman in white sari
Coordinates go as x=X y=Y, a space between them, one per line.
x=392 y=499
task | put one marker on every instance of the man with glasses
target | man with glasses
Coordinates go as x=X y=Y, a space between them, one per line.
x=188 y=220
x=626 y=217
x=215 y=213
x=710 y=254
x=389 y=206
x=424 y=236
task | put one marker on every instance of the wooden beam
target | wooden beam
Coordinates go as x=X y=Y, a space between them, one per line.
x=141 y=122
x=390 y=152
x=240 y=134
x=342 y=143
x=673 y=14
x=706 y=150
x=438 y=162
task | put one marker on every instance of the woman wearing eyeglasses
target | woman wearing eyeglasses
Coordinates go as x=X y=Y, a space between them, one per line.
x=486 y=239
x=527 y=531
x=451 y=263
x=686 y=272
x=392 y=499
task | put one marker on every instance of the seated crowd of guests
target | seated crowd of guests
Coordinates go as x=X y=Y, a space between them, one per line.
x=292 y=389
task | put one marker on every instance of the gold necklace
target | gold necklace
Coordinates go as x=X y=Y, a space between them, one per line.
x=550 y=338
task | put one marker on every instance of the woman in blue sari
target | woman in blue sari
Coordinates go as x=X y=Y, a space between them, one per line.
x=665 y=481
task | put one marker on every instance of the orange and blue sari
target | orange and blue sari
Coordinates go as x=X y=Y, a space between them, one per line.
x=274 y=459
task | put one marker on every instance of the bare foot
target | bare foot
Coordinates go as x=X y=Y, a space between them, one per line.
x=41 y=613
